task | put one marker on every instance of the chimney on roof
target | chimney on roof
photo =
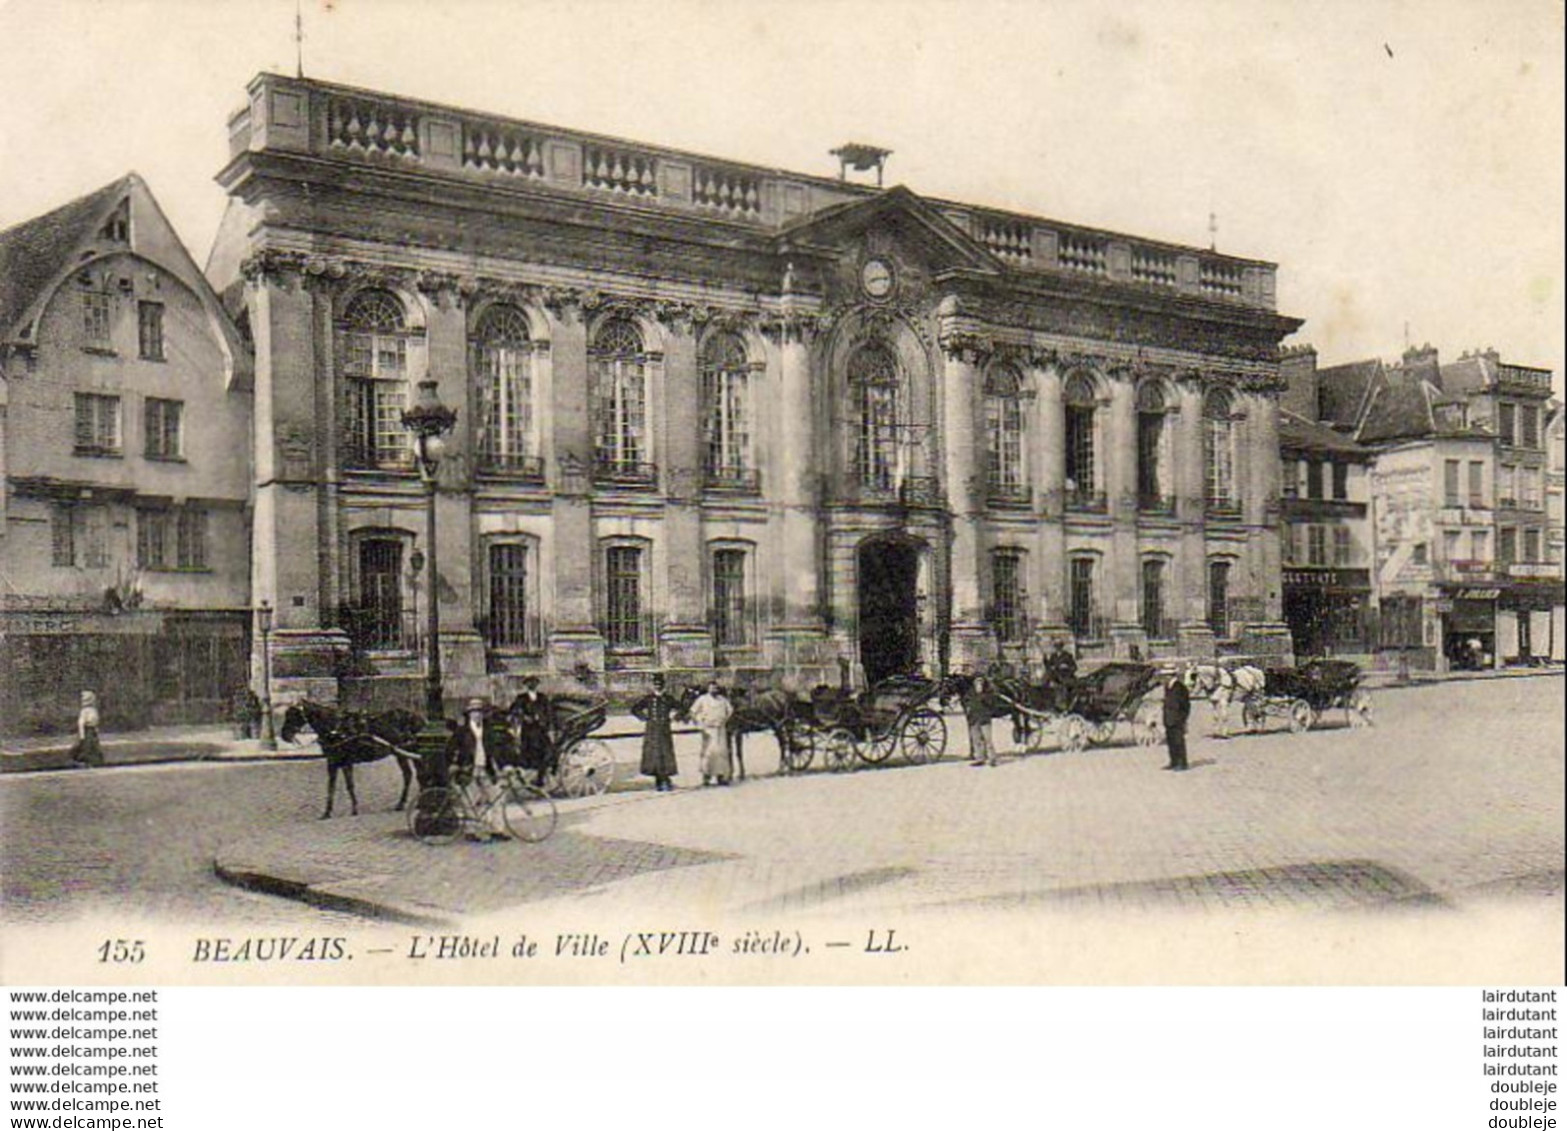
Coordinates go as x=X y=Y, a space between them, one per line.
x=1298 y=367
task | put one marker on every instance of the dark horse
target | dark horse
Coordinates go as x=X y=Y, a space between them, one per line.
x=348 y=738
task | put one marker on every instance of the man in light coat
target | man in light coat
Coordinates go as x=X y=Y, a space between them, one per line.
x=711 y=713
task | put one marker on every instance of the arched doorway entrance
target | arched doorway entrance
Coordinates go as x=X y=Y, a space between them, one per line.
x=888 y=577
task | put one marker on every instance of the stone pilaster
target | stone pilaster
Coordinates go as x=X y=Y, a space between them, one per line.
x=1050 y=482
x=1121 y=490
x=574 y=636
x=686 y=641
x=970 y=638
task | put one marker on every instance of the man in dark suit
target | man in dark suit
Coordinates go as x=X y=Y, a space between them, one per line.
x=1177 y=711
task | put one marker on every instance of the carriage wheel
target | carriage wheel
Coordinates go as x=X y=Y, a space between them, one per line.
x=839 y=750
x=1360 y=710
x=528 y=811
x=1038 y=729
x=1148 y=727
x=1074 y=733
x=923 y=737
x=879 y=748
x=1302 y=716
x=587 y=770
x=435 y=817
x=797 y=751
x=1100 y=734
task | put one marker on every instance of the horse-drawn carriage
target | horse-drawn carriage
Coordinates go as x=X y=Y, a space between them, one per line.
x=1085 y=712
x=1301 y=695
x=582 y=765
x=897 y=715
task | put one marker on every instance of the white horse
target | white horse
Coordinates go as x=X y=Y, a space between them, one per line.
x=1224 y=686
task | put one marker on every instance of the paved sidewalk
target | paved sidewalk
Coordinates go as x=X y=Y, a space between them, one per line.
x=1456 y=795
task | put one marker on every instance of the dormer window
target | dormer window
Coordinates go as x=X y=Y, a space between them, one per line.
x=117 y=229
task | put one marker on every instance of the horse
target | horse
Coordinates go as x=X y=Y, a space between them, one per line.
x=1050 y=696
x=348 y=738
x=1224 y=686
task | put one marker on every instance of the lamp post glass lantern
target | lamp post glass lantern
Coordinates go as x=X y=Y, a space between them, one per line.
x=268 y=734
x=429 y=421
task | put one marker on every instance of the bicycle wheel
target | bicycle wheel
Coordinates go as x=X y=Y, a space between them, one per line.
x=587 y=770
x=528 y=811
x=436 y=816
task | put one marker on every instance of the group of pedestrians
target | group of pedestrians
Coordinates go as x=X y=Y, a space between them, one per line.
x=710 y=712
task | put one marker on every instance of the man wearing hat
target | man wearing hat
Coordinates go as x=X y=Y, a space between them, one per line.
x=535 y=719
x=657 y=710
x=475 y=765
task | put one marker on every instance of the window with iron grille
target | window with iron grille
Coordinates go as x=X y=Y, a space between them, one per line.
x=97 y=425
x=503 y=363
x=1219 y=598
x=375 y=368
x=1081 y=406
x=1008 y=610
x=731 y=615
x=162 y=420
x=1151 y=413
x=1154 y=623
x=619 y=398
x=726 y=411
x=1219 y=452
x=380 y=623
x=873 y=385
x=511 y=621
x=1004 y=433
x=62 y=535
x=149 y=330
x=1080 y=597
x=97 y=307
x=625 y=625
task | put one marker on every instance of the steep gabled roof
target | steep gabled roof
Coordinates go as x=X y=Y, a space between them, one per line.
x=35 y=252
x=1297 y=434
x=1469 y=374
x=1399 y=410
x=1344 y=390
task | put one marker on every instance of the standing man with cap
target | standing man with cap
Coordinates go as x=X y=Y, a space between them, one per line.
x=535 y=721
x=657 y=710
x=1177 y=711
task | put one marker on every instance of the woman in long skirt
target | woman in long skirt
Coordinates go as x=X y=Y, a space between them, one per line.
x=657 y=710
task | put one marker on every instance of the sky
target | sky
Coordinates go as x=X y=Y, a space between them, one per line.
x=1401 y=161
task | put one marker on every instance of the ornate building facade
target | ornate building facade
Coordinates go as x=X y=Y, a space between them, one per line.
x=718 y=416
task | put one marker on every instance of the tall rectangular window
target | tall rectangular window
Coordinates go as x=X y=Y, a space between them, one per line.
x=1507 y=545
x=162 y=424
x=1507 y=423
x=1452 y=551
x=624 y=623
x=1219 y=598
x=1080 y=449
x=1451 y=472
x=149 y=330
x=1316 y=545
x=62 y=535
x=731 y=609
x=95 y=543
x=1340 y=481
x=379 y=624
x=1529 y=426
x=1342 y=549
x=1080 y=596
x=1480 y=545
x=1531 y=544
x=154 y=539
x=1006 y=595
x=510 y=621
x=726 y=416
x=1154 y=621
x=96 y=309
x=1314 y=479
x=97 y=425
x=1506 y=486
x=1476 y=483
x=190 y=536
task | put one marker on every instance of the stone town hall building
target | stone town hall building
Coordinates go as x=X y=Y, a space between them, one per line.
x=717 y=415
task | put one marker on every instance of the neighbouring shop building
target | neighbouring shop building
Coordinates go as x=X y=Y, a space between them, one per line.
x=124 y=472
x=714 y=416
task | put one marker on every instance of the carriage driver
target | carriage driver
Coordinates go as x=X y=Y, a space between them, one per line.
x=475 y=765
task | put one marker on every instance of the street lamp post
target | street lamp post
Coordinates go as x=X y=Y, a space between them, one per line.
x=268 y=734
x=429 y=421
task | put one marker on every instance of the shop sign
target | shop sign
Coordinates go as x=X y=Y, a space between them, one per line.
x=1532 y=569
x=1478 y=594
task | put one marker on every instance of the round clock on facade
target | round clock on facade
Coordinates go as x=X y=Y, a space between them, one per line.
x=876 y=278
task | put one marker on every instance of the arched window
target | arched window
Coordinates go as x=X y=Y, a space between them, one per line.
x=1218 y=450
x=1005 y=469
x=619 y=366
x=1153 y=493
x=375 y=369
x=873 y=387
x=726 y=413
x=503 y=374
x=1081 y=422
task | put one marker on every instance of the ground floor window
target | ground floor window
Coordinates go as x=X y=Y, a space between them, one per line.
x=1008 y=609
x=626 y=624
x=511 y=621
x=1219 y=598
x=380 y=624
x=1154 y=622
x=1082 y=616
x=731 y=612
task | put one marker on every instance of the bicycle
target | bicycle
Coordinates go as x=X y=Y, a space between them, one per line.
x=441 y=814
